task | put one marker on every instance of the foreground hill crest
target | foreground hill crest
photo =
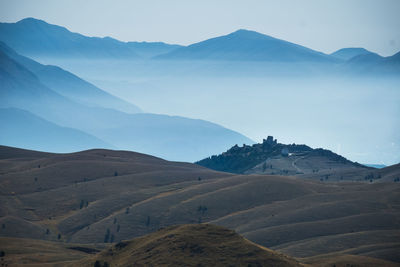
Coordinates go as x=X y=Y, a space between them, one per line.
x=190 y=245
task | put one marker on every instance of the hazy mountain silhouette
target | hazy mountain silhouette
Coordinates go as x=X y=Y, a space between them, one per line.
x=372 y=63
x=33 y=37
x=170 y=137
x=20 y=125
x=69 y=85
x=247 y=46
x=151 y=49
x=348 y=53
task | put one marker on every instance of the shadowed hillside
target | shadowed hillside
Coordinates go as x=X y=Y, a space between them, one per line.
x=275 y=158
x=107 y=196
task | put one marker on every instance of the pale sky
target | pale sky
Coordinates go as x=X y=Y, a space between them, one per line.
x=318 y=24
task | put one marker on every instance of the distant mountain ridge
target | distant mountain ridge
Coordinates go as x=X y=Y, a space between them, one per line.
x=248 y=46
x=42 y=134
x=28 y=85
x=34 y=37
x=54 y=44
x=348 y=53
x=69 y=85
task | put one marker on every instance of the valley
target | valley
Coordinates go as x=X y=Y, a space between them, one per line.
x=116 y=151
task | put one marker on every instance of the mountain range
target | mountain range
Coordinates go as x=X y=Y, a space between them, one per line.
x=244 y=45
x=39 y=39
x=59 y=97
x=33 y=37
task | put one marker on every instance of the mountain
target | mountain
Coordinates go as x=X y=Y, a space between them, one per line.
x=171 y=137
x=151 y=49
x=374 y=64
x=69 y=85
x=244 y=45
x=102 y=196
x=348 y=53
x=36 y=38
x=272 y=157
x=190 y=245
x=43 y=135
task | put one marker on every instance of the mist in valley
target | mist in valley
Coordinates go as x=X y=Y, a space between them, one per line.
x=335 y=106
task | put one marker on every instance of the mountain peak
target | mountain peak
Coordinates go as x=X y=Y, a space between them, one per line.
x=246 y=45
x=244 y=33
x=31 y=20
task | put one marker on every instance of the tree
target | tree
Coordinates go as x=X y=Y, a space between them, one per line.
x=107 y=236
x=59 y=236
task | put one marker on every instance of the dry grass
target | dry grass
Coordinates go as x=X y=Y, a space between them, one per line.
x=77 y=197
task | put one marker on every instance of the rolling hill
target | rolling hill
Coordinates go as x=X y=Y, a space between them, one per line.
x=50 y=93
x=190 y=245
x=245 y=45
x=275 y=158
x=37 y=38
x=103 y=196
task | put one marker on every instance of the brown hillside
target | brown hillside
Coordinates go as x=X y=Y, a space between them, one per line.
x=190 y=245
x=99 y=196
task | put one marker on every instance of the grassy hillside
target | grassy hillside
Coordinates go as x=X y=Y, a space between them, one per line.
x=190 y=245
x=273 y=158
x=103 y=196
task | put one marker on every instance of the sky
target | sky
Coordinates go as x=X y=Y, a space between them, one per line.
x=321 y=25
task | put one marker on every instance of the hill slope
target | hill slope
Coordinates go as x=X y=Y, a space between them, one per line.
x=190 y=245
x=69 y=85
x=272 y=157
x=108 y=196
x=246 y=45
x=43 y=135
